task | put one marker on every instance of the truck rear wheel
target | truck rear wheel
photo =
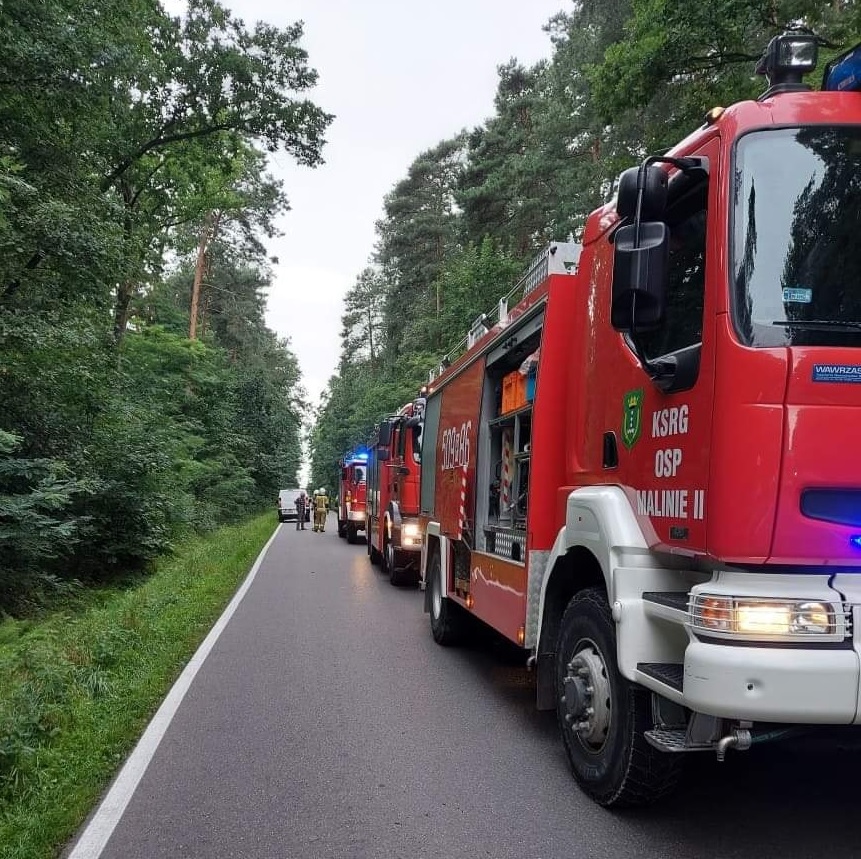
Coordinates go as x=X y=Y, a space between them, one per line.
x=351 y=533
x=448 y=621
x=602 y=716
x=342 y=528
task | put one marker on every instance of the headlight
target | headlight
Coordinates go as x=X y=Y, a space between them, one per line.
x=761 y=618
x=411 y=529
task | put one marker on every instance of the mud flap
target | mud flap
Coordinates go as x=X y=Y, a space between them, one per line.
x=545 y=697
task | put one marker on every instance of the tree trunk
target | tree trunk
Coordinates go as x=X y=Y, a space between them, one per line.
x=198 y=279
x=121 y=309
x=126 y=289
x=207 y=236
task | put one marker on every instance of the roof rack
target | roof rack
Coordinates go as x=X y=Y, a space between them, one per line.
x=556 y=258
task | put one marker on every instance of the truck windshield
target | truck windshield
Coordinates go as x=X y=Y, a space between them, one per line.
x=796 y=250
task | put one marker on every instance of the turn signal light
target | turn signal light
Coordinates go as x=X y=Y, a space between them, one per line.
x=470 y=601
x=716 y=612
x=521 y=635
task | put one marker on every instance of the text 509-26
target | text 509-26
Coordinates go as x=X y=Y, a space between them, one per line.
x=455 y=446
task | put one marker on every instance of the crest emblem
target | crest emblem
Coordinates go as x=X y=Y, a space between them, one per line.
x=632 y=417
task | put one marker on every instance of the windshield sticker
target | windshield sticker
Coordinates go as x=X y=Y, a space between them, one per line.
x=798 y=295
x=837 y=373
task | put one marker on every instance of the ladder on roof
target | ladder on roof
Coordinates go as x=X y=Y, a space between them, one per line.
x=556 y=258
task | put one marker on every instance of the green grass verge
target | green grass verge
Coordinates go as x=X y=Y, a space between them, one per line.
x=78 y=688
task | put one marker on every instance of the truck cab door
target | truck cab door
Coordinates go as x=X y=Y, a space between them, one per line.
x=664 y=429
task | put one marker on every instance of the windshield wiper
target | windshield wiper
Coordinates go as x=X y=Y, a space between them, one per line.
x=847 y=325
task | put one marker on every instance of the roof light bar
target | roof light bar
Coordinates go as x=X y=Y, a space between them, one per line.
x=843 y=73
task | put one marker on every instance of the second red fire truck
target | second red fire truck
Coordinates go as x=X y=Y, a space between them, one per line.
x=394 y=534
x=646 y=471
x=352 y=495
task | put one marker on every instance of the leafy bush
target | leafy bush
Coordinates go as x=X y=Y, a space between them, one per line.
x=36 y=525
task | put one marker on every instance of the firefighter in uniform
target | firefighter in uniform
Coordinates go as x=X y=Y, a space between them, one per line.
x=321 y=509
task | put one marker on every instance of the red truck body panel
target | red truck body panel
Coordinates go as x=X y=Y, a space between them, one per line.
x=352 y=492
x=716 y=471
x=394 y=474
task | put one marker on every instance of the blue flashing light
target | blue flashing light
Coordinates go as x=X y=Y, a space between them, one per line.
x=855 y=541
x=843 y=74
x=362 y=456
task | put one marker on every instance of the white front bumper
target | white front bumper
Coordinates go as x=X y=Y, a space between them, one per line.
x=772 y=684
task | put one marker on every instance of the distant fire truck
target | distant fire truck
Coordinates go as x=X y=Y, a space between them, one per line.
x=644 y=471
x=352 y=495
x=394 y=535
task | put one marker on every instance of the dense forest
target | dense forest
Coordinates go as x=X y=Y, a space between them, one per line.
x=142 y=395
x=625 y=78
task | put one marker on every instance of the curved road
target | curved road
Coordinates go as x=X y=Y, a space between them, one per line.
x=326 y=723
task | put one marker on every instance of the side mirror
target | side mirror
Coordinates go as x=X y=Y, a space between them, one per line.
x=654 y=193
x=383 y=454
x=640 y=265
x=384 y=437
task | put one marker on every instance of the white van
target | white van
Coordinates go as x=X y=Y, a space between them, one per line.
x=287 y=505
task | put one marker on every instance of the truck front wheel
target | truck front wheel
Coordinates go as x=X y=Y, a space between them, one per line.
x=602 y=716
x=373 y=554
x=448 y=621
x=397 y=575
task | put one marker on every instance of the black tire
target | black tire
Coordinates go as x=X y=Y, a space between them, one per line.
x=342 y=529
x=397 y=576
x=384 y=557
x=351 y=534
x=447 y=619
x=373 y=554
x=615 y=766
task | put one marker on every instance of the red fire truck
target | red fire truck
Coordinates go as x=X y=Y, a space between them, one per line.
x=394 y=535
x=668 y=516
x=352 y=495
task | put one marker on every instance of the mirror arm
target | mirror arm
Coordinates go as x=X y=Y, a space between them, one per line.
x=684 y=164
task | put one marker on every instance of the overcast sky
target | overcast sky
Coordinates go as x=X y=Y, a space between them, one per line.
x=399 y=75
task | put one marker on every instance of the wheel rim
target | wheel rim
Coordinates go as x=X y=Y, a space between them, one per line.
x=587 y=698
x=390 y=557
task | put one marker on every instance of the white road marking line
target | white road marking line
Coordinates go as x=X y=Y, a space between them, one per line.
x=101 y=826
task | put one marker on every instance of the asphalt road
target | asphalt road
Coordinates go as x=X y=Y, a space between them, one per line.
x=326 y=723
